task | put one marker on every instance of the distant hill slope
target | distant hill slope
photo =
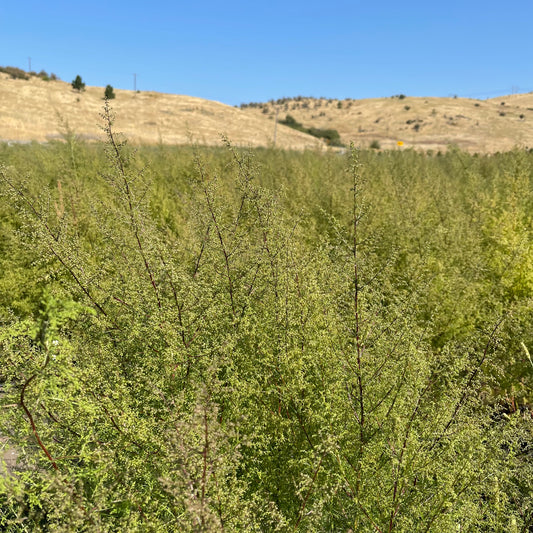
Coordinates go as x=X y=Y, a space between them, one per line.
x=35 y=109
x=38 y=110
x=433 y=123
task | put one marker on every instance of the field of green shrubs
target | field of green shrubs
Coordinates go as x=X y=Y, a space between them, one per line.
x=199 y=339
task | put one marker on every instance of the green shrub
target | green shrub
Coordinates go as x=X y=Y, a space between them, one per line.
x=292 y=123
x=77 y=84
x=109 y=93
x=44 y=75
x=331 y=136
x=15 y=73
x=199 y=350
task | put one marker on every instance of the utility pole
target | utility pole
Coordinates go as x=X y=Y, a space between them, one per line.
x=29 y=64
x=276 y=125
x=135 y=83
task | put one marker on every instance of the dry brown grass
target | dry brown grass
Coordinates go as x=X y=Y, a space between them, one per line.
x=37 y=110
x=428 y=123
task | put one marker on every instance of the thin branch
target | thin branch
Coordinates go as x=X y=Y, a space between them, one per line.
x=468 y=385
x=304 y=503
x=30 y=417
x=123 y=174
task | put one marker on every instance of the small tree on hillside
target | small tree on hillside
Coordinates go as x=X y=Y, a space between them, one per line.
x=77 y=84
x=109 y=94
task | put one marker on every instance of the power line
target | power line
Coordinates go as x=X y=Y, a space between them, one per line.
x=275 y=126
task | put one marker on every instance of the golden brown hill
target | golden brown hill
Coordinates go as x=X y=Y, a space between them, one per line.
x=432 y=123
x=38 y=110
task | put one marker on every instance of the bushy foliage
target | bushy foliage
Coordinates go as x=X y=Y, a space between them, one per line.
x=109 y=93
x=331 y=136
x=305 y=100
x=15 y=73
x=285 y=342
x=78 y=84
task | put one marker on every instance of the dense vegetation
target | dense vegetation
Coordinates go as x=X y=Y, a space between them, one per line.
x=109 y=92
x=17 y=73
x=213 y=340
x=300 y=101
x=78 y=84
x=331 y=136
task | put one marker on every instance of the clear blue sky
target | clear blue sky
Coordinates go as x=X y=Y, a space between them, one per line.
x=242 y=51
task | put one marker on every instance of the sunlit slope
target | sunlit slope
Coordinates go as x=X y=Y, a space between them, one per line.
x=41 y=110
x=37 y=110
x=492 y=125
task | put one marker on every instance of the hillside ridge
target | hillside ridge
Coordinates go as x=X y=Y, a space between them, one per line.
x=426 y=123
x=40 y=107
x=41 y=110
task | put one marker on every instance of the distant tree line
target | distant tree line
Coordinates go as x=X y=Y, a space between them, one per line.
x=287 y=100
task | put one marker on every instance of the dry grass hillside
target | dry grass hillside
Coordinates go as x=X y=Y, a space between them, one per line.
x=38 y=110
x=492 y=125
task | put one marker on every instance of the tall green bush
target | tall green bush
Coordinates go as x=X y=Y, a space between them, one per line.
x=331 y=136
x=78 y=84
x=225 y=359
x=109 y=93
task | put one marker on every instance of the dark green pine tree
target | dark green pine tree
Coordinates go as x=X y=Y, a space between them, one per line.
x=78 y=84
x=109 y=93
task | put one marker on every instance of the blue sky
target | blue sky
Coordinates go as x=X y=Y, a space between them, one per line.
x=242 y=51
